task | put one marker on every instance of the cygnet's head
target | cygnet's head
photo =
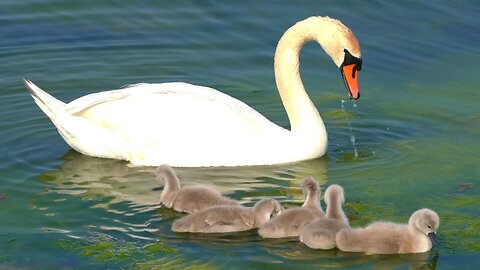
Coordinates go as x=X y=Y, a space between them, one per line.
x=164 y=172
x=334 y=192
x=268 y=207
x=310 y=187
x=427 y=222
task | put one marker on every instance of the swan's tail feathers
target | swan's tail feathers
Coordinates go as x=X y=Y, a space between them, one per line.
x=82 y=135
x=47 y=103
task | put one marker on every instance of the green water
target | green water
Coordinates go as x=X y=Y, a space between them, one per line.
x=416 y=128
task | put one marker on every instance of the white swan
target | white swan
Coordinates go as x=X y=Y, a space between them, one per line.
x=190 y=126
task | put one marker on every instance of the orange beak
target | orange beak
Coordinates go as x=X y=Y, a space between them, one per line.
x=350 y=76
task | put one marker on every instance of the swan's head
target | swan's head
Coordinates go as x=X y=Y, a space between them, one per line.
x=342 y=46
x=426 y=221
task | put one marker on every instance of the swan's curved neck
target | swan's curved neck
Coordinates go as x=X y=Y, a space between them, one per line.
x=302 y=114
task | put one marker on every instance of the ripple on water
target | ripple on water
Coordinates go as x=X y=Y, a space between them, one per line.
x=414 y=147
x=379 y=142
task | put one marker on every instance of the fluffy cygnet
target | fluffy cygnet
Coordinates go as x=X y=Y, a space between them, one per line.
x=188 y=199
x=391 y=238
x=228 y=218
x=291 y=221
x=320 y=233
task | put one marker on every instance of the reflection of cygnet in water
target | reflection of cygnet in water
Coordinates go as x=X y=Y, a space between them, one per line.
x=390 y=238
x=228 y=218
x=292 y=220
x=320 y=233
x=187 y=199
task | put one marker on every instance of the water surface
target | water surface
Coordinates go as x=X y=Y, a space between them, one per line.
x=416 y=128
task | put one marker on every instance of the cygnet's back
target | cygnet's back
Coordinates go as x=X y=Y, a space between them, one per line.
x=391 y=238
x=228 y=218
x=320 y=233
x=187 y=199
x=292 y=220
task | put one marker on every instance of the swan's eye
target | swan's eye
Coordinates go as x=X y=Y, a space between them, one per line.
x=349 y=59
x=429 y=226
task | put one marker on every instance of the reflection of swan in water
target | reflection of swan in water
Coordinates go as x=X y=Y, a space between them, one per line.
x=94 y=179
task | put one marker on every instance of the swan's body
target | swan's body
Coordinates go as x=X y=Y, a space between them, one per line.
x=188 y=199
x=320 y=233
x=419 y=235
x=188 y=125
x=291 y=221
x=228 y=218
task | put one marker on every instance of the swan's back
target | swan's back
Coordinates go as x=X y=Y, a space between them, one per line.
x=192 y=106
x=151 y=124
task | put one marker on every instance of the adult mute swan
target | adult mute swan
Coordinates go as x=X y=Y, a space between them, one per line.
x=186 y=125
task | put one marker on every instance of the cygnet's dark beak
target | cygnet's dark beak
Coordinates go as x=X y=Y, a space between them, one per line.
x=433 y=238
x=277 y=210
x=280 y=209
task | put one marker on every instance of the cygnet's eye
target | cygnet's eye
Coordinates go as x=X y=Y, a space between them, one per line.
x=429 y=226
